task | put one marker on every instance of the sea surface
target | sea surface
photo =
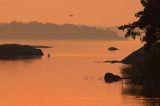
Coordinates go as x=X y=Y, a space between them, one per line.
x=71 y=76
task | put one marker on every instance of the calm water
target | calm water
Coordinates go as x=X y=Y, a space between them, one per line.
x=72 y=76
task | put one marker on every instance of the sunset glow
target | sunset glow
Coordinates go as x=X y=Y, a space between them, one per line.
x=79 y=52
x=90 y=12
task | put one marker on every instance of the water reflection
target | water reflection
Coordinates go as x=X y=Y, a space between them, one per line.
x=150 y=97
x=70 y=77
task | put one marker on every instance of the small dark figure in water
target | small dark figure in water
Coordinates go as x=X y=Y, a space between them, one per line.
x=49 y=55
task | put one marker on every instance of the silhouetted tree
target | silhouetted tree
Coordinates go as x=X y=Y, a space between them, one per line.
x=148 y=24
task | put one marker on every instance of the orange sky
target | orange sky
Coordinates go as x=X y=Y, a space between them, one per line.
x=90 y=12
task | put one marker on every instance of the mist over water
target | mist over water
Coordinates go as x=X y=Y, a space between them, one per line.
x=71 y=76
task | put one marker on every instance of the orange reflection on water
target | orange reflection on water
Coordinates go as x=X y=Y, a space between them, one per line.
x=70 y=77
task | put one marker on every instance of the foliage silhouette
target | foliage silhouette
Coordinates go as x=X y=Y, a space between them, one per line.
x=148 y=24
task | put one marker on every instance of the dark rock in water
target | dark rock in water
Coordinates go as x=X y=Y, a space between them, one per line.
x=136 y=56
x=42 y=46
x=9 y=51
x=112 y=61
x=112 y=48
x=109 y=78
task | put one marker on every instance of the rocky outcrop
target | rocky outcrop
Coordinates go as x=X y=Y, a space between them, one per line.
x=136 y=56
x=109 y=78
x=112 y=48
x=8 y=51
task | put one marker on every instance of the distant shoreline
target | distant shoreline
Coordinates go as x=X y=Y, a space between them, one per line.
x=37 y=30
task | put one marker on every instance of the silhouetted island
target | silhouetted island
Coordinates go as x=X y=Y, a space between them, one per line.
x=16 y=51
x=39 y=31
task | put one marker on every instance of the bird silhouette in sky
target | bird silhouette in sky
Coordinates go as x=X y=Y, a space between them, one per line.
x=71 y=15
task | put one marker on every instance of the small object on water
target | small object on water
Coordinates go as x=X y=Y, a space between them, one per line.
x=110 y=78
x=49 y=55
x=112 y=48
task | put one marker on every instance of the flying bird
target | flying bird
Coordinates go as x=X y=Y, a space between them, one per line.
x=71 y=15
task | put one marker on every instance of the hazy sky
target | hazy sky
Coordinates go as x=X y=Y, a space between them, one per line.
x=90 y=12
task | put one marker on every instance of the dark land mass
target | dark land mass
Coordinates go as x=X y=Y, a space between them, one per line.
x=143 y=67
x=40 y=31
x=17 y=51
x=135 y=57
